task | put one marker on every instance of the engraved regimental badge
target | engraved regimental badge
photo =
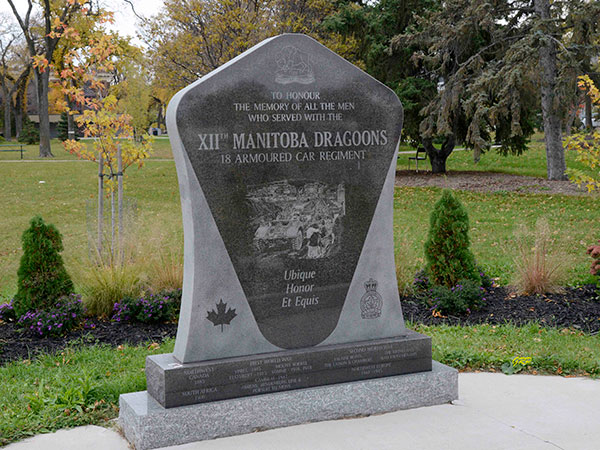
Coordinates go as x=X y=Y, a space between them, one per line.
x=371 y=302
x=293 y=66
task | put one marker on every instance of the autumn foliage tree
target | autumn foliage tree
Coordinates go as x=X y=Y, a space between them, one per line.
x=42 y=40
x=111 y=130
x=586 y=145
x=190 y=38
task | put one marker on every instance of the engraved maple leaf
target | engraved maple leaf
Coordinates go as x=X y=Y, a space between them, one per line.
x=222 y=316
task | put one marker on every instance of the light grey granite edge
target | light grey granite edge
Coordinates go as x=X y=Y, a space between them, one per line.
x=148 y=425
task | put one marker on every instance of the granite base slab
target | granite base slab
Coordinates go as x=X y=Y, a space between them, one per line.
x=147 y=424
x=174 y=384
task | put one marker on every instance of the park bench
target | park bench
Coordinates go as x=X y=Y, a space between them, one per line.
x=12 y=148
x=417 y=158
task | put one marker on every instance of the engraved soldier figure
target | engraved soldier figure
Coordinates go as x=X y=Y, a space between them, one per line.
x=314 y=237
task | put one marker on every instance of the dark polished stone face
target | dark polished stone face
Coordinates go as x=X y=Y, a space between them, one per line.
x=291 y=146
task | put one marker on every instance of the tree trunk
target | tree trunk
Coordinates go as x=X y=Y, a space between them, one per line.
x=7 y=108
x=588 y=113
x=555 y=153
x=160 y=118
x=100 y=205
x=476 y=155
x=120 y=201
x=42 y=80
x=19 y=113
x=438 y=157
x=20 y=101
x=570 y=119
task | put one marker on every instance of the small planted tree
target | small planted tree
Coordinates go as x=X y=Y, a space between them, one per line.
x=113 y=145
x=42 y=277
x=449 y=259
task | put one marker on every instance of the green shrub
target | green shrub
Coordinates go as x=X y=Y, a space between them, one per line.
x=152 y=308
x=447 y=247
x=29 y=133
x=42 y=277
x=463 y=298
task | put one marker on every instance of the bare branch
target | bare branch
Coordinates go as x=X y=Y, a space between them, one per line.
x=133 y=9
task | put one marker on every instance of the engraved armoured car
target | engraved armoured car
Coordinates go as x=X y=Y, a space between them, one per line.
x=284 y=212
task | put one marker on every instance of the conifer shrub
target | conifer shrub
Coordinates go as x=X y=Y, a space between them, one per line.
x=42 y=277
x=29 y=133
x=447 y=252
x=63 y=127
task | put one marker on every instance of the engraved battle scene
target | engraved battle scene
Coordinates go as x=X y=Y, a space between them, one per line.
x=298 y=219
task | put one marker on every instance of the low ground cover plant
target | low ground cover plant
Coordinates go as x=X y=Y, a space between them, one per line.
x=7 y=312
x=150 y=308
x=66 y=315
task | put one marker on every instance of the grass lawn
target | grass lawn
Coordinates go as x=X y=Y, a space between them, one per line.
x=60 y=190
x=81 y=385
x=62 y=198
x=531 y=163
x=161 y=150
x=494 y=218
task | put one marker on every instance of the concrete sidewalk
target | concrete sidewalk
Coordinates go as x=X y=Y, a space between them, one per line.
x=494 y=411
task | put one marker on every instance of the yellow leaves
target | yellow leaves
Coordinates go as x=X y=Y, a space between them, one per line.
x=586 y=84
x=100 y=118
x=586 y=145
x=40 y=62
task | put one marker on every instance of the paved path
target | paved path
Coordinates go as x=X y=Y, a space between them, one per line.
x=494 y=411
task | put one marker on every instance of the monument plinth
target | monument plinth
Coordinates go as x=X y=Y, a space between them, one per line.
x=286 y=162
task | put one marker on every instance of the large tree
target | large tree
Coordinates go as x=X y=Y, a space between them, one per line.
x=373 y=25
x=489 y=57
x=14 y=75
x=7 y=39
x=42 y=41
x=189 y=38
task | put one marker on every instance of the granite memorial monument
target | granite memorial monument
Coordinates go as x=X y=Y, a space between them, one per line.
x=286 y=162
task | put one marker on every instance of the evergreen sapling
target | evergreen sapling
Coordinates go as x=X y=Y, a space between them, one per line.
x=42 y=277
x=449 y=259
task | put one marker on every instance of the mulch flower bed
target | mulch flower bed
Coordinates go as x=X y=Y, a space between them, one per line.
x=15 y=345
x=577 y=308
